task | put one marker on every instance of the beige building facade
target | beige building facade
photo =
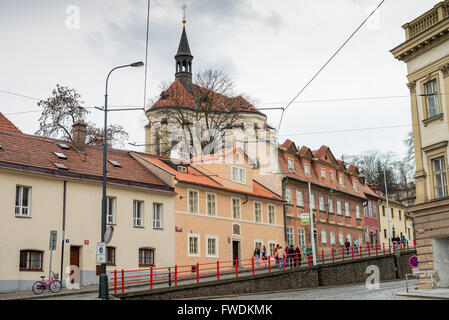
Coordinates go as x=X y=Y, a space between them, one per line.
x=426 y=53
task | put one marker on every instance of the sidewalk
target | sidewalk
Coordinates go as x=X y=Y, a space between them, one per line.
x=440 y=293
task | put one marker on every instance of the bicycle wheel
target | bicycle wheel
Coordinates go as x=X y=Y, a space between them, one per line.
x=38 y=287
x=55 y=286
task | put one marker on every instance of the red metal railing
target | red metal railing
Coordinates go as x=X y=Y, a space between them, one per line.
x=121 y=279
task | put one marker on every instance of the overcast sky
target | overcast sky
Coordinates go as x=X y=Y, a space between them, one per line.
x=271 y=49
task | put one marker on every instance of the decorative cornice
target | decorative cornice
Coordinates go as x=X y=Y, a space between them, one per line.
x=412 y=87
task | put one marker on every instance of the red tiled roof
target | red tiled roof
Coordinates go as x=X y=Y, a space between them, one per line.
x=37 y=153
x=196 y=177
x=178 y=96
x=6 y=125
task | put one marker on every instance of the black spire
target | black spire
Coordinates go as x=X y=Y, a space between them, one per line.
x=184 y=61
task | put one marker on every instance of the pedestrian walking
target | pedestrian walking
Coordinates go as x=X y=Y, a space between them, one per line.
x=356 y=246
x=309 y=252
x=347 y=245
x=257 y=255
x=280 y=255
x=291 y=254
x=297 y=257
x=275 y=255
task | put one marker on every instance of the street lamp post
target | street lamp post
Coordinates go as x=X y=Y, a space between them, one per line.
x=103 y=285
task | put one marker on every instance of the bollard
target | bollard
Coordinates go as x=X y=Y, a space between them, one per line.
x=252 y=262
x=218 y=270
x=197 y=272
x=115 y=281
x=151 y=278
x=123 y=280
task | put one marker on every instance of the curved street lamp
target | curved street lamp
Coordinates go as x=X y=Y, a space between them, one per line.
x=103 y=285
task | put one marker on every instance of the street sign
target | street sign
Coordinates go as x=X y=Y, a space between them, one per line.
x=101 y=252
x=305 y=219
x=53 y=237
x=108 y=234
x=86 y=242
x=178 y=229
x=413 y=261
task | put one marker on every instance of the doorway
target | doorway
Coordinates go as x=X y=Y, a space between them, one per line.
x=235 y=251
x=441 y=261
x=74 y=261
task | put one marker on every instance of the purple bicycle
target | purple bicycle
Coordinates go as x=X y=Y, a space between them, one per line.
x=52 y=284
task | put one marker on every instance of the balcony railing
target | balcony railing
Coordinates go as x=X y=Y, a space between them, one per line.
x=427 y=20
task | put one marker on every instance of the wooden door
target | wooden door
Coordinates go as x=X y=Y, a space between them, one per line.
x=74 y=259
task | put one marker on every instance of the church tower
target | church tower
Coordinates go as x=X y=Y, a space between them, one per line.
x=184 y=59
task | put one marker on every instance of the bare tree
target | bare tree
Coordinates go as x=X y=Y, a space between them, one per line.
x=207 y=111
x=63 y=109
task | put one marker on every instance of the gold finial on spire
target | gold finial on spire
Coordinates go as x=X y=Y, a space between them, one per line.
x=184 y=17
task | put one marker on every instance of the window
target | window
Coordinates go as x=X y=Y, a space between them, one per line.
x=290 y=240
x=271 y=247
x=341 y=180
x=321 y=200
x=312 y=201
x=271 y=214
x=110 y=256
x=211 y=204
x=354 y=185
x=307 y=168
x=331 y=176
x=357 y=212
x=367 y=234
x=392 y=213
x=212 y=249
x=110 y=210
x=340 y=239
x=431 y=91
x=330 y=203
x=339 y=207
x=385 y=233
x=194 y=245
x=301 y=237
x=370 y=209
x=257 y=212
x=323 y=173
x=323 y=236
x=332 y=237
x=22 y=201
x=365 y=210
x=193 y=201
x=374 y=210
x=138 y=213
x=347 y=209
x=30 y=260
x=383 y=211
x=439 y=175
x=400 y=216
x=146 y=257
x=182 y=169
x=157 y=215
x=238 y=175
x=299 y=199
x=236 y=208
x=288 y=195
x=291 y=165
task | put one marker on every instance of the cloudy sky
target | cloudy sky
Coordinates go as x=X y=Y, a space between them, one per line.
x=271 y=49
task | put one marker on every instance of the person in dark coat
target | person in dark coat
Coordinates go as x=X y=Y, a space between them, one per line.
x=298 y=260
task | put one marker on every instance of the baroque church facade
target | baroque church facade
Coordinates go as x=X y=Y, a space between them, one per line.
x=181 y=104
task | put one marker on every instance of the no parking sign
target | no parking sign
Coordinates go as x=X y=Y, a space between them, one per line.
x=413 y=261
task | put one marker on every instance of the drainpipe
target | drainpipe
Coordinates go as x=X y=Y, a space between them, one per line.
x=63 y=227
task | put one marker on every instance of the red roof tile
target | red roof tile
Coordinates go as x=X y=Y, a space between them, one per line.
x=38 y=153
x=6 y=125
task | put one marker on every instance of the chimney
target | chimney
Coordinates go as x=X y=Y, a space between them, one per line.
x=79 y=136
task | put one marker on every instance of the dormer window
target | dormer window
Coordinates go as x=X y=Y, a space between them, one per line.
x=307 y=168
x=341 y=180
x=60 y=155
x=291 y=165
x=331 y=176
x=115 y=163
x=323 y=173
x=354 y=185
x=63 y=146
x=182 y=169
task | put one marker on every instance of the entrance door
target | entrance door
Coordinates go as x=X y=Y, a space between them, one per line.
x=235 y=250
x=441 y=258
x=74 y=261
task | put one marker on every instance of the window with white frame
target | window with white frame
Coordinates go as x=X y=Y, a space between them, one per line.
x=323 y=173
x=22 y=201
x=321 y=201
x=332 y=237
x=349 y=237
x=339 y=207
x=288 y=195
x=365 y=210
x=212 y=246
x=193 y=245
x=312 y=201
x=290 y=240
x=370 y=209
x=299 y=199
x=374 y=210
x=138 y=213
x=340 y=239
x=357 y=212
x=330 y=204
x=157 y=215
x=110 y=210
x=341 y=180
x=238 y=175
x=347 y=213
x=236 y=208
x=354 y=185
x=431 y=91
x=307 y=168
x=271 y=214
x=367 y=234
x=193 y=201
x=331 y=176
x=291 y=165
x=301 y=237
x=439 y=174
x=323 y=236
x=211 y=204
x=146 y=257
x=257 y=211
x=271 y=247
